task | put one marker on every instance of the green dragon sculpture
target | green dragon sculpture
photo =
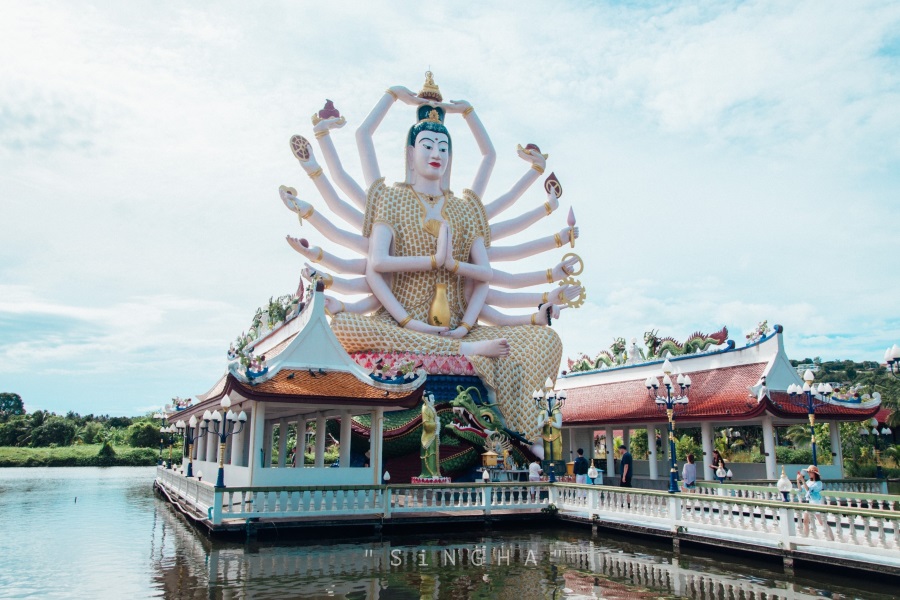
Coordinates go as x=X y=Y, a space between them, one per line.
x=466 y=427
x=698 y=342
x=615 y=356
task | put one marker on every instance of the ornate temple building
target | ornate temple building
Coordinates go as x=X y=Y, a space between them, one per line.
x=730 y=387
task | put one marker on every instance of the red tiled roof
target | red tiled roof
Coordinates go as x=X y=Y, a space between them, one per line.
x=301 y=387
x=715 y=394
x=782 y=405
x=719 y=394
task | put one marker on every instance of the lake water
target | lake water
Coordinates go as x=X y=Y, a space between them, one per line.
x=102 y=533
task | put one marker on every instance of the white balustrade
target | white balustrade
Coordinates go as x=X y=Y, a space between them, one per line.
x=863 y=523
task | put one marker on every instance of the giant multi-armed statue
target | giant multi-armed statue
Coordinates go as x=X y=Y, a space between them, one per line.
x=427 y=255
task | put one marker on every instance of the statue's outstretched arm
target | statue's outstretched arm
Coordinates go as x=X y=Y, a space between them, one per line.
x=557 y=295
x=364 y=143
x=341 y=208
x=342 y=285
x=488 y=154
x=335 y=166
x=538 y=162
x=475 y=271
x=305 y=210
x=492 y=316
x=354 y=266
x=523 y=250
x=519 y=280
x=364 y=306
x=381 y=260
x=517 y=224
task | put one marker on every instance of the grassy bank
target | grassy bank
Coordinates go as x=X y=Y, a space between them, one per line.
x=83 y=455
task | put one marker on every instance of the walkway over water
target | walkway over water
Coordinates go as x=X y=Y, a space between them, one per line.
x=855 y=529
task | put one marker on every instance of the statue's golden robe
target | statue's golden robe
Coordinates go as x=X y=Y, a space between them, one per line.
x=535 y=351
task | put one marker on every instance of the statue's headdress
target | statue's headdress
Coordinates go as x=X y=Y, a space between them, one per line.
x=429 y=118
x=430 y=114
x=430 y=90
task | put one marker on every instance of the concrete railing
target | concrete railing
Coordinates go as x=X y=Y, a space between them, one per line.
x=756 y=521
x=832 y=497
x=863 y=524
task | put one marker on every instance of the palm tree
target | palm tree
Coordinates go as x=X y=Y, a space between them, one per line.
x=799 y=435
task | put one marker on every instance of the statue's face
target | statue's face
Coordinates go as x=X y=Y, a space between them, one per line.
x=431 y=154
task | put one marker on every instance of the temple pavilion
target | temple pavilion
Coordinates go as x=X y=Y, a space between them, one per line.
x=730 y=387
x=308 y=376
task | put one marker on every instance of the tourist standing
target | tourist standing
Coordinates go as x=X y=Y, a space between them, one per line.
x=625 y=466
x=718 y=466
x=689 y=474
x=812 y=491
x=534 y=474
x=580 y=468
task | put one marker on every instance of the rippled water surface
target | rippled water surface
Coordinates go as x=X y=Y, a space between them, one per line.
x=102 y=533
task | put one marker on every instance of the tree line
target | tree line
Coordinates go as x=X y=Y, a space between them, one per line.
x=43 y=429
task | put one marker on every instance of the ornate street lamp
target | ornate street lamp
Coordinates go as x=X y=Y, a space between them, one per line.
x=885 y=431
x=824 y=390
x=553 y=402
x=221 y=429
x=670 y=402
x=162 y=416
x=166 y=433
x=191 y=435
x=892 y=359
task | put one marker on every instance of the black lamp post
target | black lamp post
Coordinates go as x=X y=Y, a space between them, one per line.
x=551 y=401
x=885 y=431
x=162 y=416
x=220 y=426
x=165 y=433
x=811 y=392
x=670 y=402
x=191 y=435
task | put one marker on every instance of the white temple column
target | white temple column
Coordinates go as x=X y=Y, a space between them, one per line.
x=837 y=453
x=651 y=447
x=282 y=442
x=320 y=440
x=626 y=438
x=376 y=433
x=237 y=447
x=267 y=444
x=706 y=434
x=212 y=447
x=610 y=453
x=346 y=419
x=257 y=434
x=200 y=446
x=768 y=431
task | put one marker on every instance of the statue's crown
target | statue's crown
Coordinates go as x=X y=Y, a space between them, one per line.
x=430 y=90
x=430 y=114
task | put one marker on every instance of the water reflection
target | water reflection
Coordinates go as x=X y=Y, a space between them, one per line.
x=101 y=533
x=548 y=564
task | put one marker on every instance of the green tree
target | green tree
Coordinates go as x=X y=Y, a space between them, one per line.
x=143 y=434
x=15 y=431
x=54 y=430
x=10 y=405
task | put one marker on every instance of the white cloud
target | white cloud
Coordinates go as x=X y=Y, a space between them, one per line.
x=728 y=163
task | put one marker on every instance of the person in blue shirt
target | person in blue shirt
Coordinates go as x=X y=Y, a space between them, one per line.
x=812 y=492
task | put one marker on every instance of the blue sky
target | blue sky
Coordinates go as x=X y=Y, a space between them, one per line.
x=727 y=163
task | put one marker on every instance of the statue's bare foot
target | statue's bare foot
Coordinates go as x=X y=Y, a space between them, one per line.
x=489 y=348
